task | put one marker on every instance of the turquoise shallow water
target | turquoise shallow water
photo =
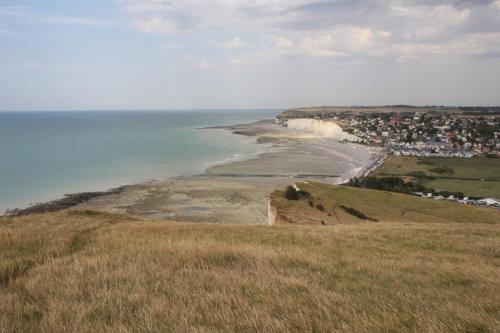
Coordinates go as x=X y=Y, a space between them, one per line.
x=44 y=155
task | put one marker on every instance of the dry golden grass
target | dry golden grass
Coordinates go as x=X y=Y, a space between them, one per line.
x=92 y=272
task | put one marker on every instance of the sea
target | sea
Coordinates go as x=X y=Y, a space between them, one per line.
x=44 y=155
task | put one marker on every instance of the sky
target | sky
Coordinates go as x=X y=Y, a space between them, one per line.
x=192 y=54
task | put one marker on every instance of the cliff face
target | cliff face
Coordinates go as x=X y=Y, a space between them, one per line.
x=321 y=128
x=275 y=216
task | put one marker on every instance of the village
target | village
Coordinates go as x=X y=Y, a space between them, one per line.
x=426 y=134
x=482 y=202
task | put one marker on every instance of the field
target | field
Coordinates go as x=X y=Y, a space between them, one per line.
x=83 y=271
x=479 y=176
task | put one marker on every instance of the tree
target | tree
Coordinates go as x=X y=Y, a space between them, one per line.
x=291 y=193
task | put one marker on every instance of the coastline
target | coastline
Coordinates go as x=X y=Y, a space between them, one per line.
x=235 y=191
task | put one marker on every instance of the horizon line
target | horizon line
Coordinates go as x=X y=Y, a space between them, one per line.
x=248 y=109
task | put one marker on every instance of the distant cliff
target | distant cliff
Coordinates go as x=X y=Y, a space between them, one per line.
x=321 y=128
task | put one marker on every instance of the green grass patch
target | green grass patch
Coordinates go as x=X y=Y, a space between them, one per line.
x=477 y=176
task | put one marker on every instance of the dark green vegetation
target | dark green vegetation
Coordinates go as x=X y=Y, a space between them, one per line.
x=84 y=271
x=399 y=185
x=391 y=184
x=478 y=176
x=291 y=193
x=442 y=170
x=357 y=213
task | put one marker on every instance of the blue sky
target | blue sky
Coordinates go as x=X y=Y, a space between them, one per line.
x=162 y=54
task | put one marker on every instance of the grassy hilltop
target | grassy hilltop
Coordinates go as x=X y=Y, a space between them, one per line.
x=84 y=271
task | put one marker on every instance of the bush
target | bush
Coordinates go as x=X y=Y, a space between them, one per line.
x=320 y=207
x=390 y=184
x=311 y=203
x=357 y=213
x=425 y=161
x=291 y=193
x=304 y=194
x=416 y=174
x=441 y=170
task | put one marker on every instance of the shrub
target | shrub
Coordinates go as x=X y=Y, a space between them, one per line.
x=311 y=203
x=391 y=184
x=304 y=194
x=320 y=207
x=442 y=170
x=425 y=161
x=416 y=174
x=291 y=193
x=357 y=213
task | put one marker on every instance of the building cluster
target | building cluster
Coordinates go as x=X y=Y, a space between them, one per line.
x=483 y=202
x=426 y=134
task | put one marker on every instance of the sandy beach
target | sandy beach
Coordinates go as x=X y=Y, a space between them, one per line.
x=238 y=192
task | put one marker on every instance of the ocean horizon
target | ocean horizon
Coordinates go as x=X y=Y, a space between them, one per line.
x=46 y=154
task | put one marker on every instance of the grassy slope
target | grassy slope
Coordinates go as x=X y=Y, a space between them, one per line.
x=84 y=271
x=383 y=206
x=471 y=169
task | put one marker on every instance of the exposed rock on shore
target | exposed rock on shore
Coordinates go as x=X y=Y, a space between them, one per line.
x=321 y=128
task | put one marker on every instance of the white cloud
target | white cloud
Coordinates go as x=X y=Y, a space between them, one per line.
x=320 y=45
x=147 y=6
x=407 y=58
x=384 y=34
x=282 y=42
x=253 y=58
x=363 y=29
x=155 y=24
x=200 y=62
x=235 y=43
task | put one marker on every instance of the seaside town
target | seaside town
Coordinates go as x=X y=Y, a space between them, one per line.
x=430 y=135
x=424 y=134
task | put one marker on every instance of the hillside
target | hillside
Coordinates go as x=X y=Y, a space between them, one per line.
x=330 y=204
x=84 y=271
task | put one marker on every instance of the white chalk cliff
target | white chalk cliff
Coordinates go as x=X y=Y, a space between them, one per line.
x=321 y=128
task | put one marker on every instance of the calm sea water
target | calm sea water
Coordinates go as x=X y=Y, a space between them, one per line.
x=44 y=155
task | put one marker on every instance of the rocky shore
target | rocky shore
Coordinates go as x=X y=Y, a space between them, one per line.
x=236 y=192
x=69 y=200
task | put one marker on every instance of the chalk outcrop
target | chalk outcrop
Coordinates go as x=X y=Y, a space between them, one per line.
x=275 y=216
x=321 y=128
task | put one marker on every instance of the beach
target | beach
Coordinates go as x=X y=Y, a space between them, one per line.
x=237 y=192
